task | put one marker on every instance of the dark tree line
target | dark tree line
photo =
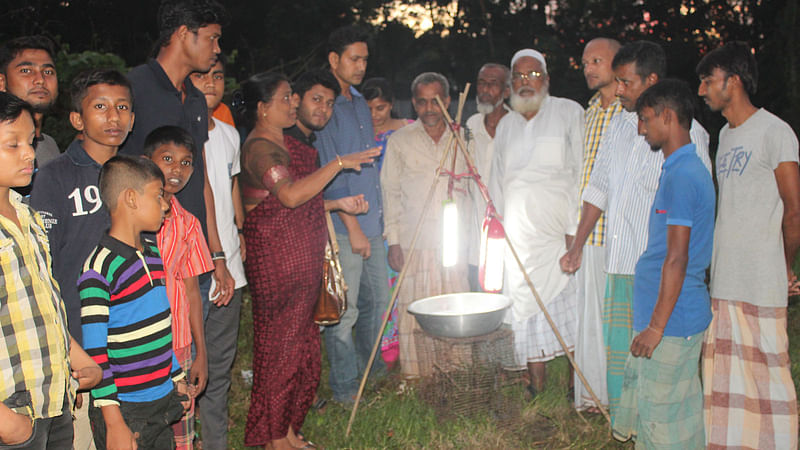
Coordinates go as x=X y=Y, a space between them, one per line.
x=289 y=35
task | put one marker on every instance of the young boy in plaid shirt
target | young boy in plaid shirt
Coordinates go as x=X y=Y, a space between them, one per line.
x=41 y=365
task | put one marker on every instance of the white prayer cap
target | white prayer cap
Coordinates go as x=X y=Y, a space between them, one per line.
x=533 y=54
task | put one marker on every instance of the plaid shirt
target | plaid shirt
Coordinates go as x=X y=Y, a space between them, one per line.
x=34 y=352
x=597 y=120
x=185 y=252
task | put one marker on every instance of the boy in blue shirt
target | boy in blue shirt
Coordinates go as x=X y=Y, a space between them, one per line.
x=662 y=401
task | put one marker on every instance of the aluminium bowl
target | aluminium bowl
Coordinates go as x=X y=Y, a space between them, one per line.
x=461 y=315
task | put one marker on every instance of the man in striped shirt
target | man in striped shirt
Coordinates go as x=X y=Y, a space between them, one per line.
x=125 y=315
x=591 y=278
x=623 y=185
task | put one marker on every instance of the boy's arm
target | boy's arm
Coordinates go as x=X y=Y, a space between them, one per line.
x=95 y=297
x=95 y=300
x=199 y=372
x=118 y=435
x=223 y=277
x=238 y=212
x=14 y=428
x=84 y=369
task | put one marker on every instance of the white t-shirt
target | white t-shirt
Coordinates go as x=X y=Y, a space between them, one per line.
x=749 y=263
x=222 y=163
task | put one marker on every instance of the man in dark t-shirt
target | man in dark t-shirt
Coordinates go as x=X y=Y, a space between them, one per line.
x=189 y=33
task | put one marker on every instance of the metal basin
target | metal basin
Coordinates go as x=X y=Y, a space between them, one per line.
x=461 y=315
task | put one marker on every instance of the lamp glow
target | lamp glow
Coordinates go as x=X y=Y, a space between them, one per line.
x=493 y=246
x=449 y=234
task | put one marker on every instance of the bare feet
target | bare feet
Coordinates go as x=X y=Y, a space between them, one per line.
x=281 y=444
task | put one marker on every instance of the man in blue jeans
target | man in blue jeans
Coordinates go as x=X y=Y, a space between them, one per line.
x=364 y=264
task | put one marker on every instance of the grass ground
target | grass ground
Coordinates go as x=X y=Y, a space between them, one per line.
x=387 y=419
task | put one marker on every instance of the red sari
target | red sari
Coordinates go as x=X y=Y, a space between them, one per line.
x=285 y=249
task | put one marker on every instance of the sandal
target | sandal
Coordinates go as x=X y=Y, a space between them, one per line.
x=308 y=444
x=319 y=404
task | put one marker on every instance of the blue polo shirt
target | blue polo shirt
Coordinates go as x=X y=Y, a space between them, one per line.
x=685 y=197
x=350 y=131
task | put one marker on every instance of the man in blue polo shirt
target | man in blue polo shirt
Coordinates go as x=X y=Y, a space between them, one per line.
x=363 y=255
x=662 y=401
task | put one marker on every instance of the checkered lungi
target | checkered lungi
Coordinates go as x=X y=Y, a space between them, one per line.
x=749 y=396
x=534 y=340
x=184 y=428
x=617 y=332
x=661 y=405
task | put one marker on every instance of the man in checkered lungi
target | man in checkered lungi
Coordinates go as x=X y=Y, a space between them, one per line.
x=661 y=402
x=750 y=399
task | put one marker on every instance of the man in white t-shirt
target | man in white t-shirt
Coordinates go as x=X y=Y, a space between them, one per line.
x=221 y=319
x=749 y=397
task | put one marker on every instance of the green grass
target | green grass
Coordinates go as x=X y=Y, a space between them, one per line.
x=390 y=420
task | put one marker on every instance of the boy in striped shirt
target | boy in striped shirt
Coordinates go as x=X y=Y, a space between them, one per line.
x=125 y=315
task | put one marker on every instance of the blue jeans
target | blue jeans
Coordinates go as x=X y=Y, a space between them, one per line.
x=367 y=298
x=52 y=433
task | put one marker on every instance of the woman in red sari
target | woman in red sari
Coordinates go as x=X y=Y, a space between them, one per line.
x=285 y=233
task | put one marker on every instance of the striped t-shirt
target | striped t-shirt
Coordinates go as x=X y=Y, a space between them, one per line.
x=126 y=323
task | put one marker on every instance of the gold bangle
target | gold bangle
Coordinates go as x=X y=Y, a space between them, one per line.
x=339 y=160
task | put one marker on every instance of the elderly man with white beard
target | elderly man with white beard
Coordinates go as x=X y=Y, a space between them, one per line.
x=534 y=183
x=493 y=88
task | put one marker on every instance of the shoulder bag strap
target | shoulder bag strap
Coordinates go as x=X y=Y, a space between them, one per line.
x=332 y=234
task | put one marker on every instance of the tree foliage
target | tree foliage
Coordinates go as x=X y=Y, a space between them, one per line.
x=289 y=35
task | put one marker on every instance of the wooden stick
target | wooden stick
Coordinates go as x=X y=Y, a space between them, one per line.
x=400 y=278
x=539 y=301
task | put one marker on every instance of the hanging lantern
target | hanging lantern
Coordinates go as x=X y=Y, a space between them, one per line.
x=449 y=234
x=493 y=246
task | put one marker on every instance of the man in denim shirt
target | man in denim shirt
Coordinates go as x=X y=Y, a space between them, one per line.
x=364 y=265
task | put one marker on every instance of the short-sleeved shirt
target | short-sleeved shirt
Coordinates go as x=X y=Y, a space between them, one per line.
x=185 y=253
x=222 y=164
x=75 y=220
x=34 y=344
x=749 y=260
x=158 y=103
x=350 y=131
x=685 y=197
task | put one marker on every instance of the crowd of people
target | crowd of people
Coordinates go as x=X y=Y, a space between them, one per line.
x=124 y=257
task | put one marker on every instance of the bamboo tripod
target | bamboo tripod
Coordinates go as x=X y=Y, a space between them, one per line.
x=459 y=143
